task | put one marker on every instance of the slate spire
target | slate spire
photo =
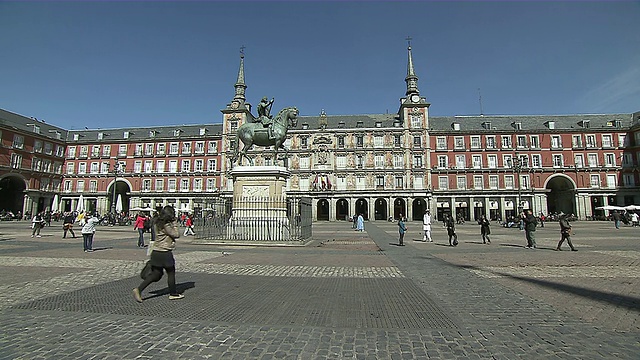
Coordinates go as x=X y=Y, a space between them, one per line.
x=240 y=85
x=411 y=79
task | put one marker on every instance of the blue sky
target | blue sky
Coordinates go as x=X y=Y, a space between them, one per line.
x=117 y=64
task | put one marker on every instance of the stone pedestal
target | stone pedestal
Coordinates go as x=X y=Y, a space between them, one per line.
x=259 y=205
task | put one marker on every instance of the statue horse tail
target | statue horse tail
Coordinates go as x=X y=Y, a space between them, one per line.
x=236 y=150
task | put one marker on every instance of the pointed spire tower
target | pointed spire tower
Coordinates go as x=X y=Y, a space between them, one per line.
x=413 y=106
x=239 y=101
x=412 y=78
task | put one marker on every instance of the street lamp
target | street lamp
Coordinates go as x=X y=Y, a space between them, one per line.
x=117 y=169
x=516 y=167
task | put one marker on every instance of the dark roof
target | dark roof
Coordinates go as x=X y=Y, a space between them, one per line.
x=29 y=125
x=144 y=133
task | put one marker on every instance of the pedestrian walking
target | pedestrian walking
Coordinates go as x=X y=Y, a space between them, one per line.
x=139 y=225
x=188 y=224
x=542 y=219
x=37 y=223
x=451 y=230
x=485 y=229
x=67 y=224
x=426 y=226
x=565 y=232
x=161 y=258
x=402 y=228
x=530 y=223
x=616 y=218
x=634 y=219
x=360 y=223
x=88 y=231
x=354 y=221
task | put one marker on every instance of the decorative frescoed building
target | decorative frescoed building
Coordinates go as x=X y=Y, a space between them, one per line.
x=382 y=165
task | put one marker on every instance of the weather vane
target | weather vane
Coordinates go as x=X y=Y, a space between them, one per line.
x=409 y=40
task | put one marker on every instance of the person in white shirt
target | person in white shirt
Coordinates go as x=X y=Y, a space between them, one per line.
x=88 y=230
x=634 y=219
x=426 y=226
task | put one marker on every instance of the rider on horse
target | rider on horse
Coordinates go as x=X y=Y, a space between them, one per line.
x=264 y=116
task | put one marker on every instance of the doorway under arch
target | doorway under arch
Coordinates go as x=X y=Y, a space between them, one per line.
x=362 y=206
x=12 y=193
x=561 y=197
x=342 y=209
x=419 y=207
x=380 y=208
x=399 y=208
x=123 y=191
x=322 y=210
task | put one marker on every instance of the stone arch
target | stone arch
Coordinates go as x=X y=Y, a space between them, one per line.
x=419 y=206
x=399 y=208
x=561 y=195
x=381 y=208
x=322 y=210
x=123 y=190
x=12 y=192
x=342 y=209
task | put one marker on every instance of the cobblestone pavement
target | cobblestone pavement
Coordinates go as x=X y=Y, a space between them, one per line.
x=346 y=295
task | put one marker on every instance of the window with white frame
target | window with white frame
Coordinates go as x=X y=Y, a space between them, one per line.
x=71 y=152
x=57 y=167
x=591 y=141
x=94 y=168
x=171 y=185
x=476 y=161
x=37 y=146
x=173 y=148
x=458 y=142
x=534 y=141
x=122 y=150
x=148 y=166
x=67 y=186
x=360 y=184
x=305 y=162
x=137 y=167
x=441 y=143
x=607 y=141
x=44 y=184
x=160 y=166
x=304 y=142
x=609 y=160
x=525 y=183
x=211 y=184
x=461 y=162
x=341 y=161
x=506 y=141
x=16 y=162
x=578 y=161
x=507 y=161
x=493 y=182
x=595 y=180
x=475 y=142
x=93 y=186
x=341 y=142
x=380 y=182
x=508 y=182
x=212 y=165
x=161 y=149
x=186 y=166
x=443 y=183
x=492 y=161
x=95 y=151
x=70 y=168
x=198 y=165
x=417 y=142
x=627 y=159
x=84 y=150
x=611 y=181
x=622 y=140
x=556 y=142
x=212 y=147
x=82 y=168
x=491 y=141
x=378 y=141
x=18 y=142
x=186 y=148
x=399 y=182
x=199 y=147
x=138 y=150
x=378 y=161
x=146 y=185
x=576 y=140
x=557 y=160
x=59 y=150
x=418 y=182
x=416 y=121
x=443 y=162
x=173 y=166
x=304 y=183
x=521 y=141
x=461 y=182
x=359 y=140
x=524 y=161
x=398 y=161
x=184 y=185
x=478 y=182
x=417 y=161
x=628 y=180
x=197 y=184
x=80 y=186
x=536 y=161
x=593 y=160
x=159 y=186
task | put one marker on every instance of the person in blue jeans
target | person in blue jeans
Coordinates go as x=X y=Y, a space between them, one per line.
x=616 y=218
x=402 y=228
x=88 y=230
x=139 y=225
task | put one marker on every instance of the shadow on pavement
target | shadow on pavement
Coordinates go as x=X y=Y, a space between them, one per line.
x=180 y=288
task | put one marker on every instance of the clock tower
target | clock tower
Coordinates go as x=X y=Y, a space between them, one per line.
x=414 y=109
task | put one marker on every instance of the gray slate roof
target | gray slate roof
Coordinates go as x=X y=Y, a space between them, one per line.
x=144 y=133
x=25 y=124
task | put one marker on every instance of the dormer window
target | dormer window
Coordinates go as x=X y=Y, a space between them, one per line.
x=455 y=126
x=584 y=124
x=76 y=137
x=396 y=123
x=341 y=124
x=551 y=125
x=203 y=131
x=486 y=125
x=517 y=125
x=126 y=135
x=305 y=126
x=360 y=124
x=177 y=132
x=378 y=124
x=152 y=133
x=100 y=136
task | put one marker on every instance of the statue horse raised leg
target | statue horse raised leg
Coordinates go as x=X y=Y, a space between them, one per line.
x=255 y=134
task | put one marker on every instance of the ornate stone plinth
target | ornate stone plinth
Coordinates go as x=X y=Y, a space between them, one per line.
x=259 y=205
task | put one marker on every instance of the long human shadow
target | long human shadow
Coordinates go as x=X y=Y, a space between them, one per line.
x=629 y=302
x=180 y=288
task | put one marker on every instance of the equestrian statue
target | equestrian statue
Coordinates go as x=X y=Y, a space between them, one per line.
x=266 y=130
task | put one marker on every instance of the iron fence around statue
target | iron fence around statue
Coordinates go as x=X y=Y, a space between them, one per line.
x=255 y=220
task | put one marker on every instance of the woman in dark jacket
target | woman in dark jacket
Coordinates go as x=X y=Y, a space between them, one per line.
x=161 y=259
x=485 y=230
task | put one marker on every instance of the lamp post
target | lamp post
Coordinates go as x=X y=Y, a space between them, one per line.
x=117 y=169
x=516 y=168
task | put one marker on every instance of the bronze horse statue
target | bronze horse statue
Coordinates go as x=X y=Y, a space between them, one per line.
x=254 y=133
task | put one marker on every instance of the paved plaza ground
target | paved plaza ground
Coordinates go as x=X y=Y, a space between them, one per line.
x=345 y=295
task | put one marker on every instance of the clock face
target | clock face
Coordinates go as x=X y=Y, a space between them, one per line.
x=415 y=98
x=235 y=105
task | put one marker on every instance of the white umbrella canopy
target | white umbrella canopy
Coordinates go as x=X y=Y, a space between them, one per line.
x=610 y=207
x=55 y=204
x=119 y=203
x=80 y=206
x=632 y=207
